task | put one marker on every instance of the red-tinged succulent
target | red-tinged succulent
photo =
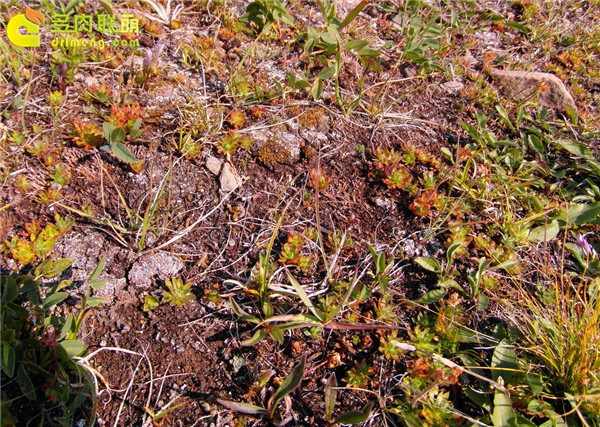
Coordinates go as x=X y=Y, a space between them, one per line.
x=318 y=179
x=87 y=134
x=125 y=116
x=397 y=177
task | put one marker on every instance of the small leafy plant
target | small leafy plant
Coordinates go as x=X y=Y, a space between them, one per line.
x=318 y=179
x=288 y=385
x=115 y=137
x=178 y=293
x=328 y=46
x=291 y=253
x=38 y=346
x=37 y=241
x=87 y=135
x=360 y=375
x=350 y=417
x=231 y=142
x=264 y=14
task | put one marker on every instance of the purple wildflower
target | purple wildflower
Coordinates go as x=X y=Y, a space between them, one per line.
x=151 y=57
x=148 y=59
x=587 y=247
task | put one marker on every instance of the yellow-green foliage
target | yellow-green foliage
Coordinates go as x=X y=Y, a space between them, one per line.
x=37 y=240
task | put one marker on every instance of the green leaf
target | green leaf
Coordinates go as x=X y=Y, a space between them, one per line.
x=292 y=381
x=356 y=44
x=98 y=269
x=135 y=130
x=536 y=143
x=244 y=408
x=277 y=334
x=267 y=307
x=296 y=84
x=429 y=264
x=450 y=283
x=63 y=284
x=8 y=359
x=304 y=297
x=242 y=314
x=258 y=336
x=482 y=302
x=591 y=268
x=25 y=383
x=73 y=347
x=580 y=214
x=11 y=289
x=17 y=310
x=18 y=101
x=545 y=409
x=330 y=396
x=117 y=136
x=575 y=148
x=317 y=89
x=68 y=327
x=355 y=417
x=518 y=26
x=535 y=383
x=352 y=15
x=107 y=6
x=122 y=153
x=504 y=116
x=368 y=53
x=41 y=269
x=503 y=415
x=447 y=153
x=432 y=296
x=97 y=284
x=478 y=397
x=453 y=248
x=327 y=73
x=94 y=301
x=312 y=34
x=54 y=299
x=504 y=265
x=294 y=321
x=504 y=360
x=108 y=129
x=544 y=233
x=58 y=267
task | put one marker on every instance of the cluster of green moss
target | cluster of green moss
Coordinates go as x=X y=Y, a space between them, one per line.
x=272 y=152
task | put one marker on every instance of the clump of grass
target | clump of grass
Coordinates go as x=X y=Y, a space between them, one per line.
x=561 y=331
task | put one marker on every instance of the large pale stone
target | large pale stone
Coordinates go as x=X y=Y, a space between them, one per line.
x=521 y=85
x=214 y=165
x=229 y=178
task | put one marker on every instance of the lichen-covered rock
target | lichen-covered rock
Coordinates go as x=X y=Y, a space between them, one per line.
x=149 y=267
x=86 y=250
x=273 y=152
x=519 y=85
